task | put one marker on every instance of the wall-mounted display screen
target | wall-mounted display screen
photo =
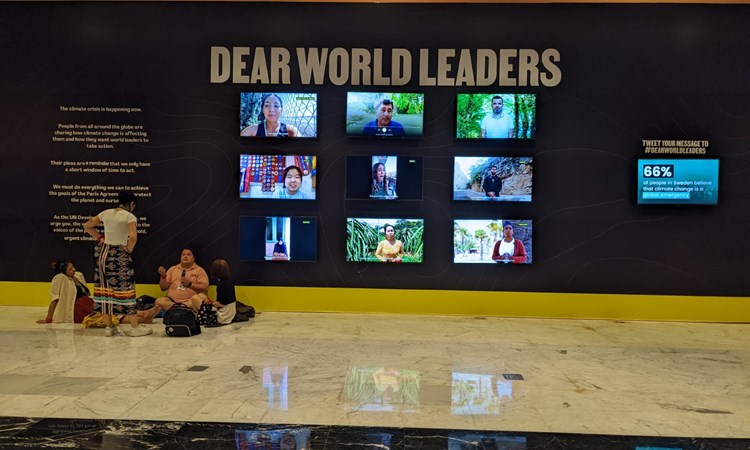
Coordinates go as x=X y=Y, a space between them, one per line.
x=278 y=115
x=492 y=241
x=496 y=116
x=281 y=177
x=383 y=177
x=678 y=181
x=278 y=238
x=384 y=240
x=385 y=114
x=488 y=178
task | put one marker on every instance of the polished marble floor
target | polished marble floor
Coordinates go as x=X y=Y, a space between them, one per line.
x=419 y=379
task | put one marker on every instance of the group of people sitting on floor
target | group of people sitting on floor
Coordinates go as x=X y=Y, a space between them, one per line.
x=186 y=285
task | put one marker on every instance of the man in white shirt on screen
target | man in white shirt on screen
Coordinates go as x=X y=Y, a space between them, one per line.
x=497 y=125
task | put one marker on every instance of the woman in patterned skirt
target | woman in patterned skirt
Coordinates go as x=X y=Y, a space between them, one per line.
x=114 y=277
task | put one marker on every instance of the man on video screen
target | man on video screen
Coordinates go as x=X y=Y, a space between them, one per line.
x=383 y=125
x=492 y=184
x=499 y=124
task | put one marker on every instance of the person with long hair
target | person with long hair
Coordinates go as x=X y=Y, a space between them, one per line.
x=270 y=124
x=114 y=276
x=225 y=305
x=380 y=186
x=70 y=297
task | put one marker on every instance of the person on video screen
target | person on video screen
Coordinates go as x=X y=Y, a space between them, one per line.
x=492 y=184
x=508 y=249
x=292 y=183
x=380 y=186
x=390 y=249
x=279 y=250
x=384 y=125
x=270 y=124
x=499 y=124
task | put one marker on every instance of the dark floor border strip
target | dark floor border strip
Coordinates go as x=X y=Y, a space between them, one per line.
x=40 y=433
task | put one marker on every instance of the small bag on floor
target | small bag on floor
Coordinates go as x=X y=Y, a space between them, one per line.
x=207 y=316
x=180 y=321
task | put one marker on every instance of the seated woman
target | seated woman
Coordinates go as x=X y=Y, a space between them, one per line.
x=71 y=300
x=279 y=250
x=222 y=310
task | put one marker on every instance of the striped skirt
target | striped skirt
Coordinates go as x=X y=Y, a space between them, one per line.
x=114 y=279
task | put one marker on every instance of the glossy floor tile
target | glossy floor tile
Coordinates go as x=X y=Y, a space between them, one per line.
x=489 y=375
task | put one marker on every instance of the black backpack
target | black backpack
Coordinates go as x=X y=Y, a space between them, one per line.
x=181 y=322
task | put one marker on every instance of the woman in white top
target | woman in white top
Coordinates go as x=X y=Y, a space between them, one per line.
x=509 y=249
x=68 y=290
x=114 y=277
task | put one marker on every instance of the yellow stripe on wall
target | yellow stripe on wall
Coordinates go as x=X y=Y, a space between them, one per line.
x=476 y=303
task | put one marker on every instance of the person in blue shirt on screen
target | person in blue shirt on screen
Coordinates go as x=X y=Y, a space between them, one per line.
x=384 y=125
x=292 y=183
x=499 y=124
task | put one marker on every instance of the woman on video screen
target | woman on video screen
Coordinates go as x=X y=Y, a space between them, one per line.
x=381 y=187
x=270 y=124
x=508 y=249
x=390 y=249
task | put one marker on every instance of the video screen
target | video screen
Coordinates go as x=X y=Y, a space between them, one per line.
x=278 y=238
x=382 y=389
x=281 y=439
x=383 y=177
x=496 y=116
x=278 y=115
x=278 y=177
x=384 y=114
x=485 y=441
x=492 y=241
x=678 y=181
x=492 y=178
x=473 y=393
x=384 y=240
